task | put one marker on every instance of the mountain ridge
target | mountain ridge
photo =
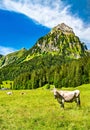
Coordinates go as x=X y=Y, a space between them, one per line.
x=61 y=40
x=11 y=57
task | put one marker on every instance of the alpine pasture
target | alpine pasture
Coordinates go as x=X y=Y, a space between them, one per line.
x=38 y=110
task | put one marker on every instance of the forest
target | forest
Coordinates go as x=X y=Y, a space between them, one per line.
x=47 y=69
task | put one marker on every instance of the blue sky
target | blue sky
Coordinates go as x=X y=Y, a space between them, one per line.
x=23 y=22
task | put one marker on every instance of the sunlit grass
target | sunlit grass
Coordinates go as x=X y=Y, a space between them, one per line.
x=6 y=84
x=38 y=110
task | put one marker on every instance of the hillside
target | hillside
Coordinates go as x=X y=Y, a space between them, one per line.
x=1 y=55
x=12 y=57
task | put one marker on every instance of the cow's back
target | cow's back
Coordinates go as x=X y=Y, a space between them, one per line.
x=69 y=96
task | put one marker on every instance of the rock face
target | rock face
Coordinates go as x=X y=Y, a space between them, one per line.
x=64 y=28
x=60 y=41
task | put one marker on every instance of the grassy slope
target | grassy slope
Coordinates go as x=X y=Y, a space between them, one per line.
x=38 y=110
x=12 y=57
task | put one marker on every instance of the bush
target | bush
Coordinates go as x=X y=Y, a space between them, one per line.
x=48 y=86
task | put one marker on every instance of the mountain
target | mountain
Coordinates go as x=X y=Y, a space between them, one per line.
x=61 y=40
x=12 y=57
x=58 y=58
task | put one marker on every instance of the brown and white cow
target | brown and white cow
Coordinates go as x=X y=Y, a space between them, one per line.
x=67 y=96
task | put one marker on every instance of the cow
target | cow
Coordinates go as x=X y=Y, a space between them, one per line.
x=67 y=96
x=9 y=93
x=22 y=93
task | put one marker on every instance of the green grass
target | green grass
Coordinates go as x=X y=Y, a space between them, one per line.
x=6 y=84
x=38 y=110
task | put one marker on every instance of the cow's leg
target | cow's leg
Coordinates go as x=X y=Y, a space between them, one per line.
x=78 y=101
x=62 y=103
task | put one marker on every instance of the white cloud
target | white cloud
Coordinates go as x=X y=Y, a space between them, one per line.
x=49 y=13
x=6 y=50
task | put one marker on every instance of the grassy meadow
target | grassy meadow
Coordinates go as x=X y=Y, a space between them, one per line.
x=38 y=110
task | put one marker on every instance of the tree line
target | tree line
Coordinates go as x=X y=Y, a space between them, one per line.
x=71 y=74
x=48 y=69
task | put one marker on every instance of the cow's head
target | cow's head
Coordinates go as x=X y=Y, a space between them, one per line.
x=56 y=94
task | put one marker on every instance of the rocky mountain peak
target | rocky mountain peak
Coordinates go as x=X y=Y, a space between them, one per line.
x=64 y=28
x=61 y=40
